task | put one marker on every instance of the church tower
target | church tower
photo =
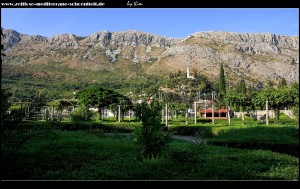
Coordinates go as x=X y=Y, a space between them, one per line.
x=188 y=74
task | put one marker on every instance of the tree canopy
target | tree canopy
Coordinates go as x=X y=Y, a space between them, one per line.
x=97 y=96
x=277 y=98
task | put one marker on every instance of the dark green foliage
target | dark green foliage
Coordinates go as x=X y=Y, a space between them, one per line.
x=4 y=102
x=81 y=113
x=277 y=98
x=84 y=155
x=182 y=156
x=181 y=130
x=10 y=122
x=295 y=99
x=295 y=111
x=222 y=84
x=294 y=90
x=282 y=83
x=241 y=87
x=283 y=139
x=97 y=96
x=239 y=100
x=87 y=126
x=170 y=97
x=124 y=102
x=150 y=137
x=61 y=82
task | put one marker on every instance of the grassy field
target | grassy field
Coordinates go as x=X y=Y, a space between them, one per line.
x=92 y=155
x=83 y=151
x=282 y=137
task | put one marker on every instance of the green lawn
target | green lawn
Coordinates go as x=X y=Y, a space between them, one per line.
x=91 y=155
x=282 y=137
x=82 y=151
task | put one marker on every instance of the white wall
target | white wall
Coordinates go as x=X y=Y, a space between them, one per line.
x=260 y=113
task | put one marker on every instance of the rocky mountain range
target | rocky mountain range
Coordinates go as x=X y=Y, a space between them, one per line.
x=256 y=57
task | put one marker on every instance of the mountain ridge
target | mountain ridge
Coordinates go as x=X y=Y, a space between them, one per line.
x=256 y=57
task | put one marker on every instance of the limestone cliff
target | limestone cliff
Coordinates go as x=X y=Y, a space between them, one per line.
x=257 y=57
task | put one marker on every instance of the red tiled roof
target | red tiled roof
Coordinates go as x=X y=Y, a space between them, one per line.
x=216 y=111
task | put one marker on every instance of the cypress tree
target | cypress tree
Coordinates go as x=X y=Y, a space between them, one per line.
x=222 y=84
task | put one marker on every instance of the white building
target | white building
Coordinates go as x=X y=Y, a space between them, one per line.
x=106 y=112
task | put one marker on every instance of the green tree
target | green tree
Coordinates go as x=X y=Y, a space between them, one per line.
x=96 y=96
x=295 y=99
x=173 y=100
x=124 y=102
x=241 y=101
x=241 y=87
x=277 y=98
x=150 y=136
x=100 y=97
x=81 y=113
x=168 y=97
x=222 y=84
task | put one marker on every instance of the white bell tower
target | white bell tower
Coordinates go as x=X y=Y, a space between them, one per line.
x=188 y=74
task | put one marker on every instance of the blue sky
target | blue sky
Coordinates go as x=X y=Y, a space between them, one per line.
x=171 y=22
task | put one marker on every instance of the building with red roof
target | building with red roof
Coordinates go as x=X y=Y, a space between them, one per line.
x=218 y=114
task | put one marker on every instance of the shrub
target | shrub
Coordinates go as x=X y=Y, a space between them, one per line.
x=295 y=111
x=150 y=137
x=81 y=113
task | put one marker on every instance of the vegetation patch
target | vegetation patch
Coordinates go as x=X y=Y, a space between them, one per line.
x=84 y=155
